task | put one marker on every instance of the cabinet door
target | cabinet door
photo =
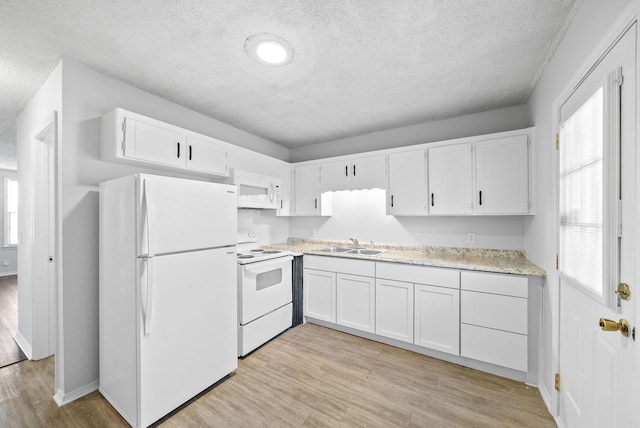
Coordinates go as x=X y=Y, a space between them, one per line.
x=369 y=171
x=206 y=156
x=307 y=191
x=437 y=318
x=394 y=309
x=356 y=302
x=502 y=182
x=285 y=173
x=407 y=183
x=450 y=183
x=151 y=143
x=335 y=175
x=319 y=291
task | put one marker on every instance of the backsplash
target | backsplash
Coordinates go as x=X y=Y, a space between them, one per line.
x=361 y=214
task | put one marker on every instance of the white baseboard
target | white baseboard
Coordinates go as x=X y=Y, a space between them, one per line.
x=8 y=273
x=24 y=345
x=62 y=398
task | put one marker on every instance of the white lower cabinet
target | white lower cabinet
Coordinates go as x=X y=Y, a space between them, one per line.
x=494 y=319
x=477 y=315
x=356 y=302
x=319 y=294
x=437 y=318
x=394 y=309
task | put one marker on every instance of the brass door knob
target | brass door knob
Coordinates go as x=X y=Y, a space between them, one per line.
x=609 y=325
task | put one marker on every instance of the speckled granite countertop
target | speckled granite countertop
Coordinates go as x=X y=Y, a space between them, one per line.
x=477 y=259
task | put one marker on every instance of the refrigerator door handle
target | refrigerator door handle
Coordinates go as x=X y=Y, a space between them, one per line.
x=146 y=197
x=147 y=296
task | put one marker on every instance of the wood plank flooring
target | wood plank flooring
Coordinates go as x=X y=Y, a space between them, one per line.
x=310 y=376
x=9 y=350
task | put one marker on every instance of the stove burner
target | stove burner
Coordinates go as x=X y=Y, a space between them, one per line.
x=257 y=250
x=271 y=252
x=245 y=256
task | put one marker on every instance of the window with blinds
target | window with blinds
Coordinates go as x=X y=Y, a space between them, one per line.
x=581 y=194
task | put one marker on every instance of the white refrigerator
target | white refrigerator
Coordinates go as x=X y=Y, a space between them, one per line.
x=168 y=299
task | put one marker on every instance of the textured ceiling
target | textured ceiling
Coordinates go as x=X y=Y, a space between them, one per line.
x=359 y=66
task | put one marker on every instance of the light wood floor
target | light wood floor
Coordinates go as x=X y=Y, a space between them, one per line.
x=9 y=350
x=309 y=376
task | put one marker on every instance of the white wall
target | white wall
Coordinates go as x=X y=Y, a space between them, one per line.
x=361 y=214
x=37 y=114
x=592 y=21
x=488 y=122
x=87 y=95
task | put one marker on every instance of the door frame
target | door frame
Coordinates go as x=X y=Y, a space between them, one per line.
x=616 y=31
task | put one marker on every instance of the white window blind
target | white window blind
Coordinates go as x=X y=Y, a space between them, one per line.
x=581 y=194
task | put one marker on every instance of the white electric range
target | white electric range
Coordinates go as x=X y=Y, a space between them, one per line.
x=264 y=293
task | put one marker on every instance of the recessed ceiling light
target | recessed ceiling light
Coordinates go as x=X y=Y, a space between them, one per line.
x=269 y=49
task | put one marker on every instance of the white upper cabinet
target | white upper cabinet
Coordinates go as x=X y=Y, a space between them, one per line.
x=285 y=174
x=450 y=179
x=307 y=200
x=354 y=173
x=502 y=182
x=151 y=143
x=132 y=138
x=206 y=155
x=407 y=183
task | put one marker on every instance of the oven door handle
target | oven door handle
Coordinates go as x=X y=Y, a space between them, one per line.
x=253 y=269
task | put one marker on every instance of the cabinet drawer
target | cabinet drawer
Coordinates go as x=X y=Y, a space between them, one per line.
x=494 y=346
x=494 y=311
x=419 y=274
x=335 y=264
x=508 y=285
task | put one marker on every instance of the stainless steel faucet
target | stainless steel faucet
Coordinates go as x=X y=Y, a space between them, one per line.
x=372 y=245
x=355 y=242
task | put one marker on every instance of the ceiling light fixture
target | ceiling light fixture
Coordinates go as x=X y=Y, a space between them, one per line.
x=269 y=49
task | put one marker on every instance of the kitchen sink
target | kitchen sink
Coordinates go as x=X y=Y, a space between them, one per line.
x=366 y=252
x=335 y=250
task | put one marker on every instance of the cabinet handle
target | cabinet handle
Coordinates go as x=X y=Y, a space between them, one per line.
x=481 y=197
x=354 y=170
x=280 y=203
x=346 y=171
x=178 y=150
x=432 y=204
x=391 y=201
x=315 y=202
x=190 y=151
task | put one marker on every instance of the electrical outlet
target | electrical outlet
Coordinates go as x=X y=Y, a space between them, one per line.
x=471 y=237
x=5 y=262
x=314 y=232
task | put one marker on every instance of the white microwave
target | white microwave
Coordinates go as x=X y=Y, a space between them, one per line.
x=256 y=190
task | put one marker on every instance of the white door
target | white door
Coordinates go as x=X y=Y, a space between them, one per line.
x=206 y=156
x=394 y=309
x=407 y=183
x=319 y=295
x=285 y=175
x=178 y=215
x=437 y=318
x=369 y=169
x=597 y=232
x=502 y=179
x=44 y=241
x=335 y=175
x=450 y=183
x=191 y=336
x=356 y=301
x=152 y=143
x=306 y=190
